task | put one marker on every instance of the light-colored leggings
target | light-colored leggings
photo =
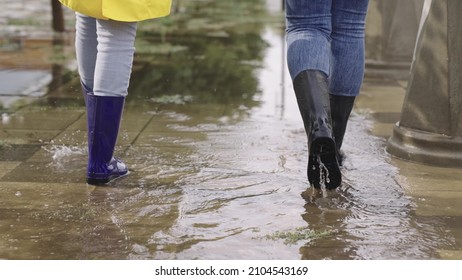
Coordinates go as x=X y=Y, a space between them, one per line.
x=104 y=51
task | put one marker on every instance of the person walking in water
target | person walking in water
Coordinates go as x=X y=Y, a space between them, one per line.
x=325 y=57
x=104 y=43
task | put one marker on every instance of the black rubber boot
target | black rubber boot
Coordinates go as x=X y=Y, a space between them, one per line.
x=341 y=107
x=313 y=101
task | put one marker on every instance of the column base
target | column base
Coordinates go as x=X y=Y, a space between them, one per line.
x=425 y=147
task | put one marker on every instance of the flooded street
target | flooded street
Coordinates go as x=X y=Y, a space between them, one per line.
x=217 y=155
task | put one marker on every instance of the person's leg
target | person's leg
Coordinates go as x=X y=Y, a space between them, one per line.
x=104 y=52
x=308 y=37
x=86 y=49
x=114 y=58
x=347 y=62
x=347 y=45
x=106 y=100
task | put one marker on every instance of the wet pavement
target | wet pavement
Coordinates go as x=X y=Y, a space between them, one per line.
x=213 y=138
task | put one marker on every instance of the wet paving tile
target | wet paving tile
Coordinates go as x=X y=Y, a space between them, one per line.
x=18 y=152
x=131 y=126
x=436 y=190
x=156 y=138
x=387 y=117
x=7 y=166
x=27 y=136
x=437 y=204
x=172 y=129
x=39 y=118
x=451 y=255
x=45 y=172
x=381 y=98
x=134 y=121
x=51 y=220
x=383 y=130
x=71 y=137
x=22 y=82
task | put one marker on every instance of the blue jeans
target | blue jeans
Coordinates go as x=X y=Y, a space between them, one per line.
x=328 y=35
x=104 y=51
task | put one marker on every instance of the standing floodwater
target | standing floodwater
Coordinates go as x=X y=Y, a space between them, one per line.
x=217 y=153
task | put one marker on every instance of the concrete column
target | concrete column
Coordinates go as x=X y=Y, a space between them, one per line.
x=430 y=129
x=391 y=34
x=402 y=34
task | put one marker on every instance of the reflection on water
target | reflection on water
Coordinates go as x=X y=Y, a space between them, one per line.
x=217 y=154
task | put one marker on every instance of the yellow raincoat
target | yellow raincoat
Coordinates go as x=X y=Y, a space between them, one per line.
x=121 y=10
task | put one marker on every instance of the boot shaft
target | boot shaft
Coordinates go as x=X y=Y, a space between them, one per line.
x=341 y=107
x=104 y=114
x=311 y=90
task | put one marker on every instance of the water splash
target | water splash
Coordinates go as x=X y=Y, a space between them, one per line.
x=63 y=155
x=323 y=172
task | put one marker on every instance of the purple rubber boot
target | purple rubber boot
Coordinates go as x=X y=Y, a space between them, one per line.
x=103 y=120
